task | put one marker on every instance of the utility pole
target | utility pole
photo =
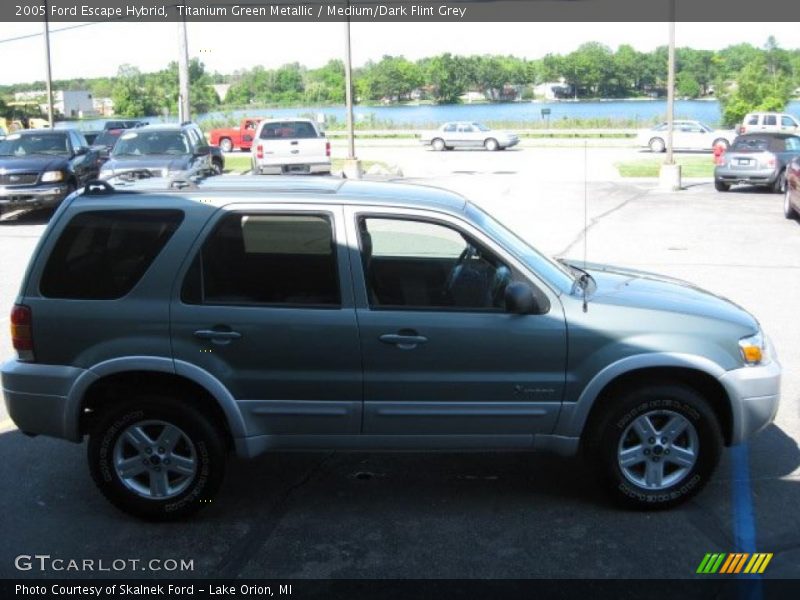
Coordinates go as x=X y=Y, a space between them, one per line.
x=49 y=71
x=670 y=175
x=352 y=166
x=184 y=110
x=671 y=85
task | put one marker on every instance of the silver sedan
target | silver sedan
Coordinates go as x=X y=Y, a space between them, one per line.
x=466 y=134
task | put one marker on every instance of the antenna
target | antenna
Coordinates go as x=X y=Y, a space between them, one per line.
x=585 y=219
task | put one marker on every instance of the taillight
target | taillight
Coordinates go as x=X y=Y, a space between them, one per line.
x=327 y=148
x=719 y=154
x=742 y=130
x=22 y=331
x=770 y=161
x=259 y=151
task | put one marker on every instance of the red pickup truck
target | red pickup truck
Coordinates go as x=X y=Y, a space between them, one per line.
x=230 y=138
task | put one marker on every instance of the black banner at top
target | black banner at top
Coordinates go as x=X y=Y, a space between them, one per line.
x=401 y=10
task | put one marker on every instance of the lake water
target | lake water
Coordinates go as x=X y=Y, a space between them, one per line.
x=644 y=111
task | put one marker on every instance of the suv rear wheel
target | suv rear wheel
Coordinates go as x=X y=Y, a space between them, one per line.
x=156 y=458
x=657 y=446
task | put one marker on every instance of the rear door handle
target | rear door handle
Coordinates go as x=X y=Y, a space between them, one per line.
x=403 y=341
x=217 y=336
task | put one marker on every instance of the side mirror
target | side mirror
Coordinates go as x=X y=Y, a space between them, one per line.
x=81 y=151
x=202 y=150
x=520 y=300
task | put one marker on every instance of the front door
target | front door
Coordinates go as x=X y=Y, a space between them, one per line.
x=263 y=308
x=440 y=354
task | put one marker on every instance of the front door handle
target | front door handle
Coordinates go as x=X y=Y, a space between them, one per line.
x=403 y=340
x=217 y=336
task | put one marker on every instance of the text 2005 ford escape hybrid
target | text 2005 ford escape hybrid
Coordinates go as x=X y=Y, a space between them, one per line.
x=172 y=327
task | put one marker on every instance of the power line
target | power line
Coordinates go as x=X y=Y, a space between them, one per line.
x=33 y=35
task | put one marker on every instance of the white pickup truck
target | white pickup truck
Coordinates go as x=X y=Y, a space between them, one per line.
x=290 y=146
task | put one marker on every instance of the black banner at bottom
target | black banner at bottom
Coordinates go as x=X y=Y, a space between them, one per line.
x=386 y=589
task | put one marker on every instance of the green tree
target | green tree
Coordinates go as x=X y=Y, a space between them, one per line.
x=758 y=88
x=448 y=74
x=132 y=98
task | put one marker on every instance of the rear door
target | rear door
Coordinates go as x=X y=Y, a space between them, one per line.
x=440 y=354
x=264 y=306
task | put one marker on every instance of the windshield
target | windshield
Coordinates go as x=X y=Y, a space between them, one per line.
x=141 y=143
x=480 y=127
x=558 y=275
x=45 y=143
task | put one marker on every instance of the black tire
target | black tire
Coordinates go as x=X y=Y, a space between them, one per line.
x=659 y=403
x=491 y=144
x=657 y=145
x=721 y=142
x=721 y=187
x=216 y=167
x=438 y=145
x=226 y=145
x=789 y=211
x=208 y=451
x=779 y=185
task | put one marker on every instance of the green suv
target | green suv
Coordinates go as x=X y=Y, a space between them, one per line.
x=172 y=326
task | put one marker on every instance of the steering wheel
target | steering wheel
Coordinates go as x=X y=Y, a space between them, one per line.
x=466 y=254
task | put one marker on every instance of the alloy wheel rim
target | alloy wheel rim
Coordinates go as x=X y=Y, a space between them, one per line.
x=155 y=459
x=658 y=449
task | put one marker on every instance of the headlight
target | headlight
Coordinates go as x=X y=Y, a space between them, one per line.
x=754 y=349
x=49 y=176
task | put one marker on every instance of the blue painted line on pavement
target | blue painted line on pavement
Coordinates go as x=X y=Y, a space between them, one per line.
x=744 y=519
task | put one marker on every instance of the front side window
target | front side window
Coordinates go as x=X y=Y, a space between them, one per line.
x=259 y=259
x=102 y=255
x=787 y=121
x=424 y=265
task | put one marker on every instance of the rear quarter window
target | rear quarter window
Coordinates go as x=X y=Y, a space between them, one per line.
x=288 y=130
x=102 y=255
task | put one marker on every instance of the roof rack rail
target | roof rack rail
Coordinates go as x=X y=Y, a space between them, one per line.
x=97 y=187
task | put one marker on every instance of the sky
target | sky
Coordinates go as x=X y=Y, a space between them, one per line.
x=98 y=49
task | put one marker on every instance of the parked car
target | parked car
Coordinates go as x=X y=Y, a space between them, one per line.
x=756 y=159
x=686 y=135
x=762 y=122
x=41 y=167
x=307 y=314
x=791 y=196
x=286 y=146
x=124 y=124
x=105 y=142
x=466 y=134
x=162 y=150
x=235 y=138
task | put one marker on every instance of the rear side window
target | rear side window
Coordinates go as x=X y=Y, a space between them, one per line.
x=288 y=130
x=753 y=144
x=258 y=259
x=752 y=120
x=769 y=120
x=102 y=255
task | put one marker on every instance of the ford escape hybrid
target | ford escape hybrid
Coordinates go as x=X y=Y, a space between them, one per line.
x=171 y=327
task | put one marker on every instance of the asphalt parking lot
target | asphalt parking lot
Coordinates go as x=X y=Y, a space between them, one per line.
x=449 y=515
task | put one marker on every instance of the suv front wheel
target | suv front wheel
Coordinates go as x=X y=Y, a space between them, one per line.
x=657 y=446
x=156 y=458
